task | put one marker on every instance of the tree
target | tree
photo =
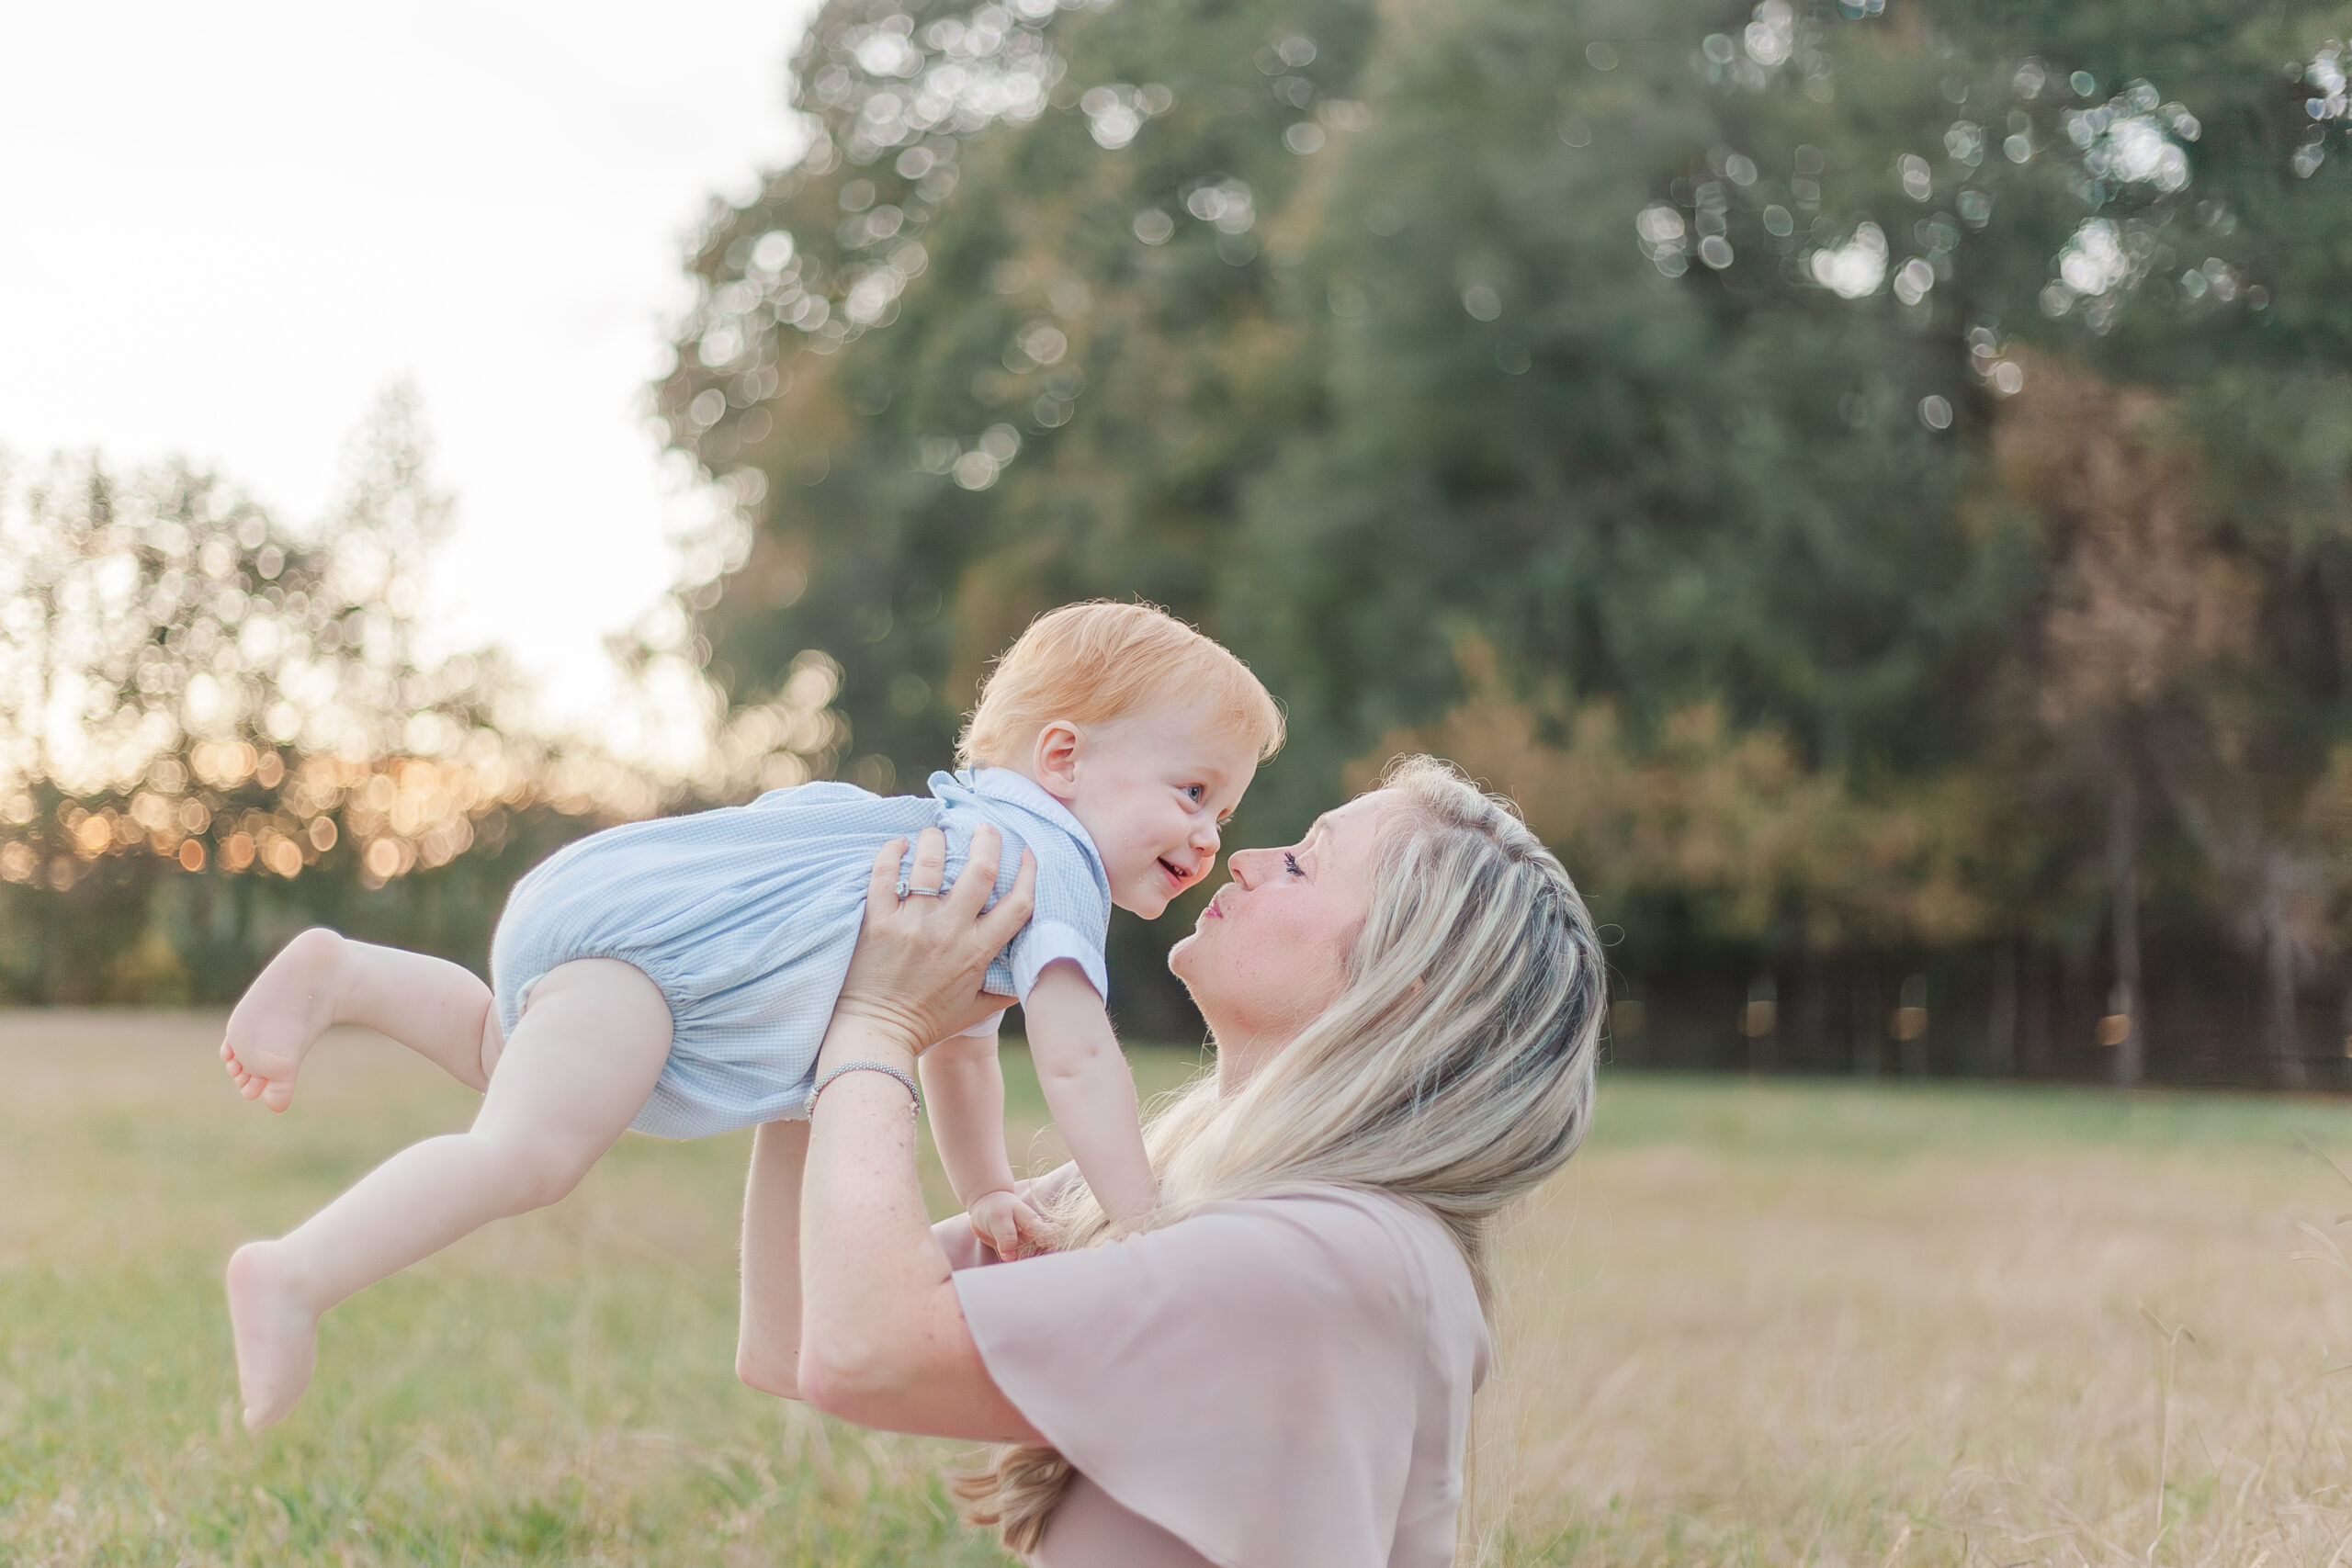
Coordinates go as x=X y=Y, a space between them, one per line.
x=1666 y=352
x=200 y=705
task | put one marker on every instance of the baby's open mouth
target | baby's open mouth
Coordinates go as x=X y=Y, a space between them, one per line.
x=1176 y=874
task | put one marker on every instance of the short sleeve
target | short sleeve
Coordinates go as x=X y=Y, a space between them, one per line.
x=1042 y=942
x=1071 y=915
x=1072 y=918
x=1249 y=1380
x=961 y=1243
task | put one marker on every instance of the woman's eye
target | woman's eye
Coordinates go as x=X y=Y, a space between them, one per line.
x=1290 y=863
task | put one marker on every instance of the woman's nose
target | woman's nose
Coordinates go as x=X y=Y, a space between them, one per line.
x=1247 y=866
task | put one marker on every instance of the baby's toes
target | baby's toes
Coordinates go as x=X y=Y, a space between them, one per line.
x=276 y=1095
x=251 y=1085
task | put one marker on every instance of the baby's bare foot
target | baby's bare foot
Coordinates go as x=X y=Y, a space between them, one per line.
x=282 y=1015
x=277 y=1337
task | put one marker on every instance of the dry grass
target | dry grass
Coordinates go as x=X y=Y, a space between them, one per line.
x=558 y=1389
x=1833 y=1326
x=1775 y=1324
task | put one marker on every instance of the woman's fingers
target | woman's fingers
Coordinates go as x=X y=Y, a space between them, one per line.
x=1003 y=923
x=999 y=925
x=978 y=879
x=911 y=943
x=930 y=870
x=881 y=888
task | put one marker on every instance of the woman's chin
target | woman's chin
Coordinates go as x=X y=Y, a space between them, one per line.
x=1178 y=954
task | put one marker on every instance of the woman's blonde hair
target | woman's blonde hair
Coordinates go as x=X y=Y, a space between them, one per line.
x=1092 y=662
x=1454 y=1070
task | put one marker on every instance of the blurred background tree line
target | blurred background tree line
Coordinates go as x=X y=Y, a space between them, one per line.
x=1873 y=480
x=216 y=729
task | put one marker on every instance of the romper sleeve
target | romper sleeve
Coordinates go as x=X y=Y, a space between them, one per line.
x=1250 y=1380
x=1072 y=917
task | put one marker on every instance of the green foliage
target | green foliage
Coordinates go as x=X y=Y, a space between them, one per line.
x=1665 y=351
x=1124 y=389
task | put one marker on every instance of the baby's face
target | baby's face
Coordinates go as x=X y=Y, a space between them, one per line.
x=1153 y=791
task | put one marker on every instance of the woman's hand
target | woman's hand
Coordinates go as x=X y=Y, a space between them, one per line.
x=882 y=1338
x=921 y=960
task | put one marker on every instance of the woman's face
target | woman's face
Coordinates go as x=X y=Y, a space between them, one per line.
x=1268 y=954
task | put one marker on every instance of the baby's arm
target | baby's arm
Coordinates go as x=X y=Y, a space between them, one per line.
x=1090 y=1090
x=767 y=1337
x=965 y=1089
x=964 y=1084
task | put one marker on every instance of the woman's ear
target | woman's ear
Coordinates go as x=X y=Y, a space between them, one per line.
x=1056 y=759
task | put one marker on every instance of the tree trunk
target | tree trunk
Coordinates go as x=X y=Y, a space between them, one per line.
x=2123 y=889
x=1869 y=1022
x=2033 y=1020
x=2279 y=981
x=1810 y=1030
x=2001 y=1020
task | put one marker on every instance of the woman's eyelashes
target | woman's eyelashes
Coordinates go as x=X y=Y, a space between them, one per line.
x=1290 y=863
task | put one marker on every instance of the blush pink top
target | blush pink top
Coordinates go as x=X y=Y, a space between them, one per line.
x=1277 y=1383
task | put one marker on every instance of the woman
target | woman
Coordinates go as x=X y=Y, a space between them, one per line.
x=1277 y=1371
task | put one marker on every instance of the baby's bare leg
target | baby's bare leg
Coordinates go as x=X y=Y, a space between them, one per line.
x=583 y=1060
x=432 y=1006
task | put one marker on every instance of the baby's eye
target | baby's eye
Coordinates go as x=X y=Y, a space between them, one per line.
x=1196 y=792
x=1290 y=863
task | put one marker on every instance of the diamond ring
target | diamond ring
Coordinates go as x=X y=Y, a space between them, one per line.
x=907 y=892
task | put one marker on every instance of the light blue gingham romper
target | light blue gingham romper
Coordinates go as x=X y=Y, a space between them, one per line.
x=745 y=917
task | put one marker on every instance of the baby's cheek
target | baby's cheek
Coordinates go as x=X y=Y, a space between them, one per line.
x=1128 y=865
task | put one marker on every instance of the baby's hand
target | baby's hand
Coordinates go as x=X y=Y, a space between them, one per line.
x=1009 y=1226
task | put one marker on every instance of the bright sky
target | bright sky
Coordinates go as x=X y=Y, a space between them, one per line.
x=225 y=228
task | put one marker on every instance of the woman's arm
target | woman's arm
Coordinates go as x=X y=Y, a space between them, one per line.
x=882 y=1336
x=767 y=1334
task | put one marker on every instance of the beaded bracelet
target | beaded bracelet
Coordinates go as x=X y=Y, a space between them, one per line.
x=809 y=1106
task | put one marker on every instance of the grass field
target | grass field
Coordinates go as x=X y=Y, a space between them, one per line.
x=1770 y=1324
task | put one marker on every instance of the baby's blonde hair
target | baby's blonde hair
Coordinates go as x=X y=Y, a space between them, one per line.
x=1092 y=662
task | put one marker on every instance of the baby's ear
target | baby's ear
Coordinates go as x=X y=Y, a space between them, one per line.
x=1059 y=744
